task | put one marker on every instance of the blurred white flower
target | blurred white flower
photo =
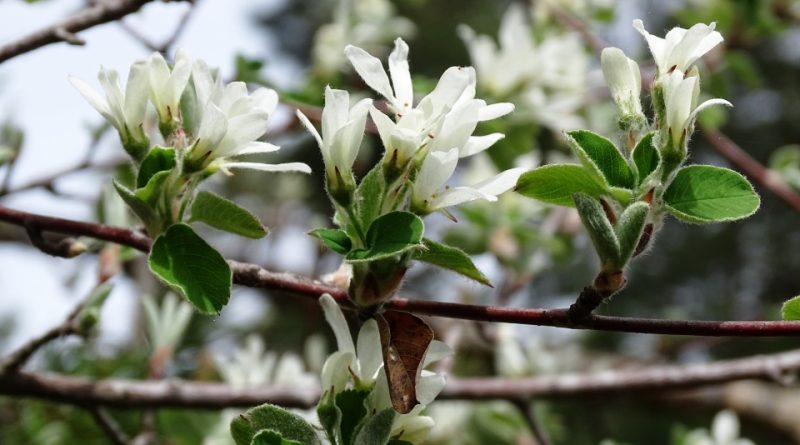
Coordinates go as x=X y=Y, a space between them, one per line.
x=125 y=111
x=680 y=48
x=342 y=133
x=166 y=323
x=724 y=431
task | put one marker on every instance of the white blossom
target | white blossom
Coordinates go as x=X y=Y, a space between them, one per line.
x=680 y=101
x=167 y=85
x=624 y=81
x=342 y=132
x=125 y=111
x=724 y=431
x=681 y=47
x=427 y=195
x=231 y=122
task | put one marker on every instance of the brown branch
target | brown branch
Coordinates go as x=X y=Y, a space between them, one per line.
x=119 y=393
x=752 y=168
x=255 y=276
x=104 y=12
x=109 y=426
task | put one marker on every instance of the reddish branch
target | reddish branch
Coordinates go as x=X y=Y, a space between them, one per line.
x=255 y=276
x=184 y=394
x=101 y=12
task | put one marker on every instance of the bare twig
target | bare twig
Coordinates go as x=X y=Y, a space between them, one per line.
x=526 y=408
x=100 y=13
x=255 y=276
x=109 y=426
x=120 y=393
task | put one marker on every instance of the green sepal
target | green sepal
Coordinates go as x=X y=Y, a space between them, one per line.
x=376 y=429
x=629 y=229
x=600 y=230
x=157 y=160
x=335 y=239
x=270 y=417
x=330 y=416
x=226 y=215
x=555 y=184
x=352 y=404
x=188 y=264
x=391 y=234
x=600 y=155
x=703 y=194
x=451 y=258
x=646 y=157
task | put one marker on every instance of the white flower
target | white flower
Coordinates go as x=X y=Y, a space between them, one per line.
x=680 y=48
x=624 y=81
x=724 y=431
x=167 y=323
x=361 y=361
x=167 y=85
x=125 y=111
x=342 y=132
x=680 y=101
x=231 y=121
x=427 y=195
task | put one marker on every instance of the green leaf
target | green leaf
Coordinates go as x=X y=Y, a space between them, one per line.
x=555 y=184
x=139 y=207
x=152 y=192
x=629 y=229
x=223 y=214
x=270 y=417
x=188 y=264
x=351 y=404
x=452 y=258
x=389 y=235
x=157 y=160
x=597 y=152
x=646 y=157
x=398 y=442
x=599 y=228
x=330 y=416
x=791 y=309
x=335 y=239
x=376 y=429
x=368 y=196
x=706 y=194
x=271 y=437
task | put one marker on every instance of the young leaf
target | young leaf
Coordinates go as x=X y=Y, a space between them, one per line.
x=705 y=194
x=600 y=154
x=157 y=160
x=404 y=340
x=271 y=437
x=335 y=239
x=351 y=404
x=555 y=184
x=629 y=229
x=152 y=192
x=791 y=309
x=646 y=157
x=185 y=262
x=452 y=258
x=223 y=214
x=270 y=417
x=368 y=196
x=376 y=429
x=329 y=415
x=389 y=235
x=599 y=228
x=139 y=207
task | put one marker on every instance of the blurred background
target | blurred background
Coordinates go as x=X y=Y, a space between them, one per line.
x=57 y=158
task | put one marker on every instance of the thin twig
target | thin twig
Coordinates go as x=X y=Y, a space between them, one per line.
x=526 y=408
x=109 y=426
x=100 y=13
x=253 y=275
x=119 y=393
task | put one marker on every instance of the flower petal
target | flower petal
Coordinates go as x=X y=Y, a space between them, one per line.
x=336 y=371
x=371 y=71
x=335 y=112
x=97 y=101
x=707 y=104
x=494 y=111
x=477 y=144
x=335 y=318
x=429 y=386
x=309 y=126
x=369 y=351
x=401 y=76
x=257 y=147
x=286 y=167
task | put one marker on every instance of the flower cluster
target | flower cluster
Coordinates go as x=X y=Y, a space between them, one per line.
x=545 y=77
x=208 y=124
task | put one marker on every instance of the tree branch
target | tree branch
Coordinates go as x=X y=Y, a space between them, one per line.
x=100 y=13
x=253 y=275
x=109 y=426
x=119 y=393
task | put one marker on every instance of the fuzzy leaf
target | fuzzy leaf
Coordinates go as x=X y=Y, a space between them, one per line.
x=376 y=429
x=705 y=194
x=335 y=239
x=158 y=159
x=271 y=437
x=452 y=258
x=391 y=234
x=368 y=196
x=270 y=417
x=226 y=215
x=646 y=157
x=599 y=228
x=185 y=262
x=555 y=184
x=629 y=229
x=600 y=154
